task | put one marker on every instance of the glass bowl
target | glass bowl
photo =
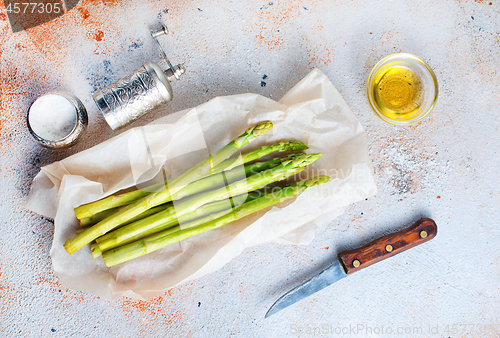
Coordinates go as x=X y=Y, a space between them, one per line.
x=402 y=89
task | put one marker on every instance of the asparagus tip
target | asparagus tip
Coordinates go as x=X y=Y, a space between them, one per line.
x=302 y=160
x=292 y=146
x=316 y=180
x=260 y=129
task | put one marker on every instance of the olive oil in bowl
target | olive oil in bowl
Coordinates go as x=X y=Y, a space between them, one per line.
x=402 y=89
x=398 y=93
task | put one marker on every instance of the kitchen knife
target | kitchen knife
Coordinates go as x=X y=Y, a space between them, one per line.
x=353 y=260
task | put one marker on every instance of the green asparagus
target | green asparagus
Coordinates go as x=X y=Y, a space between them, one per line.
x=258 y=153
x=154 y=242
x=89 y=221
x=162 y=195
x=209 y=182
x=90 y=209
x=168 y=218
x=157 y=222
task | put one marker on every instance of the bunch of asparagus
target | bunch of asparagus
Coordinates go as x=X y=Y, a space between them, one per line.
x=218 y=190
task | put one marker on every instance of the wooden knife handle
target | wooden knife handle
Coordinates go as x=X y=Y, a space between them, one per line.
x=353 y=260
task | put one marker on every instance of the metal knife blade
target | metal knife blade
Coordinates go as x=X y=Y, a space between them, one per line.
x=354 y=260
x=325 y=278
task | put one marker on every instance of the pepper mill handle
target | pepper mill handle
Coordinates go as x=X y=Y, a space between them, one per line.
x=174 y=72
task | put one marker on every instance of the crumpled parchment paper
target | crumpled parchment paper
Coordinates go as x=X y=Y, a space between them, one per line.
x=312 y=112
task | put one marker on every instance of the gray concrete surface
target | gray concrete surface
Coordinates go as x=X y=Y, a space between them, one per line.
x=445 y=168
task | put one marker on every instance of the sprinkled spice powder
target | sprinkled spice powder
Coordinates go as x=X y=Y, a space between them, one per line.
x=52 y=117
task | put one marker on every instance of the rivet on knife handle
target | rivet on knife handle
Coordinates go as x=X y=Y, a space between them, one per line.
x=422 y=231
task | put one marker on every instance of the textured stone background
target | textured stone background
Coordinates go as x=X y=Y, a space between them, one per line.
x=445 y=168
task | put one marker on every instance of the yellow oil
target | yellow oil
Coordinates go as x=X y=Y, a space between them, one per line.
x=397 y=92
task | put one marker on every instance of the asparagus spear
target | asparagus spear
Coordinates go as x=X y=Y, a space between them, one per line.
x=90 y=209
x=155 y=223
x=162 y=195
x=261 y=152
x=207 y=183
x=162 y=239
x=168 y=218
x=226 y=177
x=89 y=221
x=124 y=234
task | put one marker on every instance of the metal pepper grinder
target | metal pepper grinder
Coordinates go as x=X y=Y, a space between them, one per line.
x=138 y=93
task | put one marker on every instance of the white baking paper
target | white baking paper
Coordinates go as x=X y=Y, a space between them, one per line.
x=312 y=112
